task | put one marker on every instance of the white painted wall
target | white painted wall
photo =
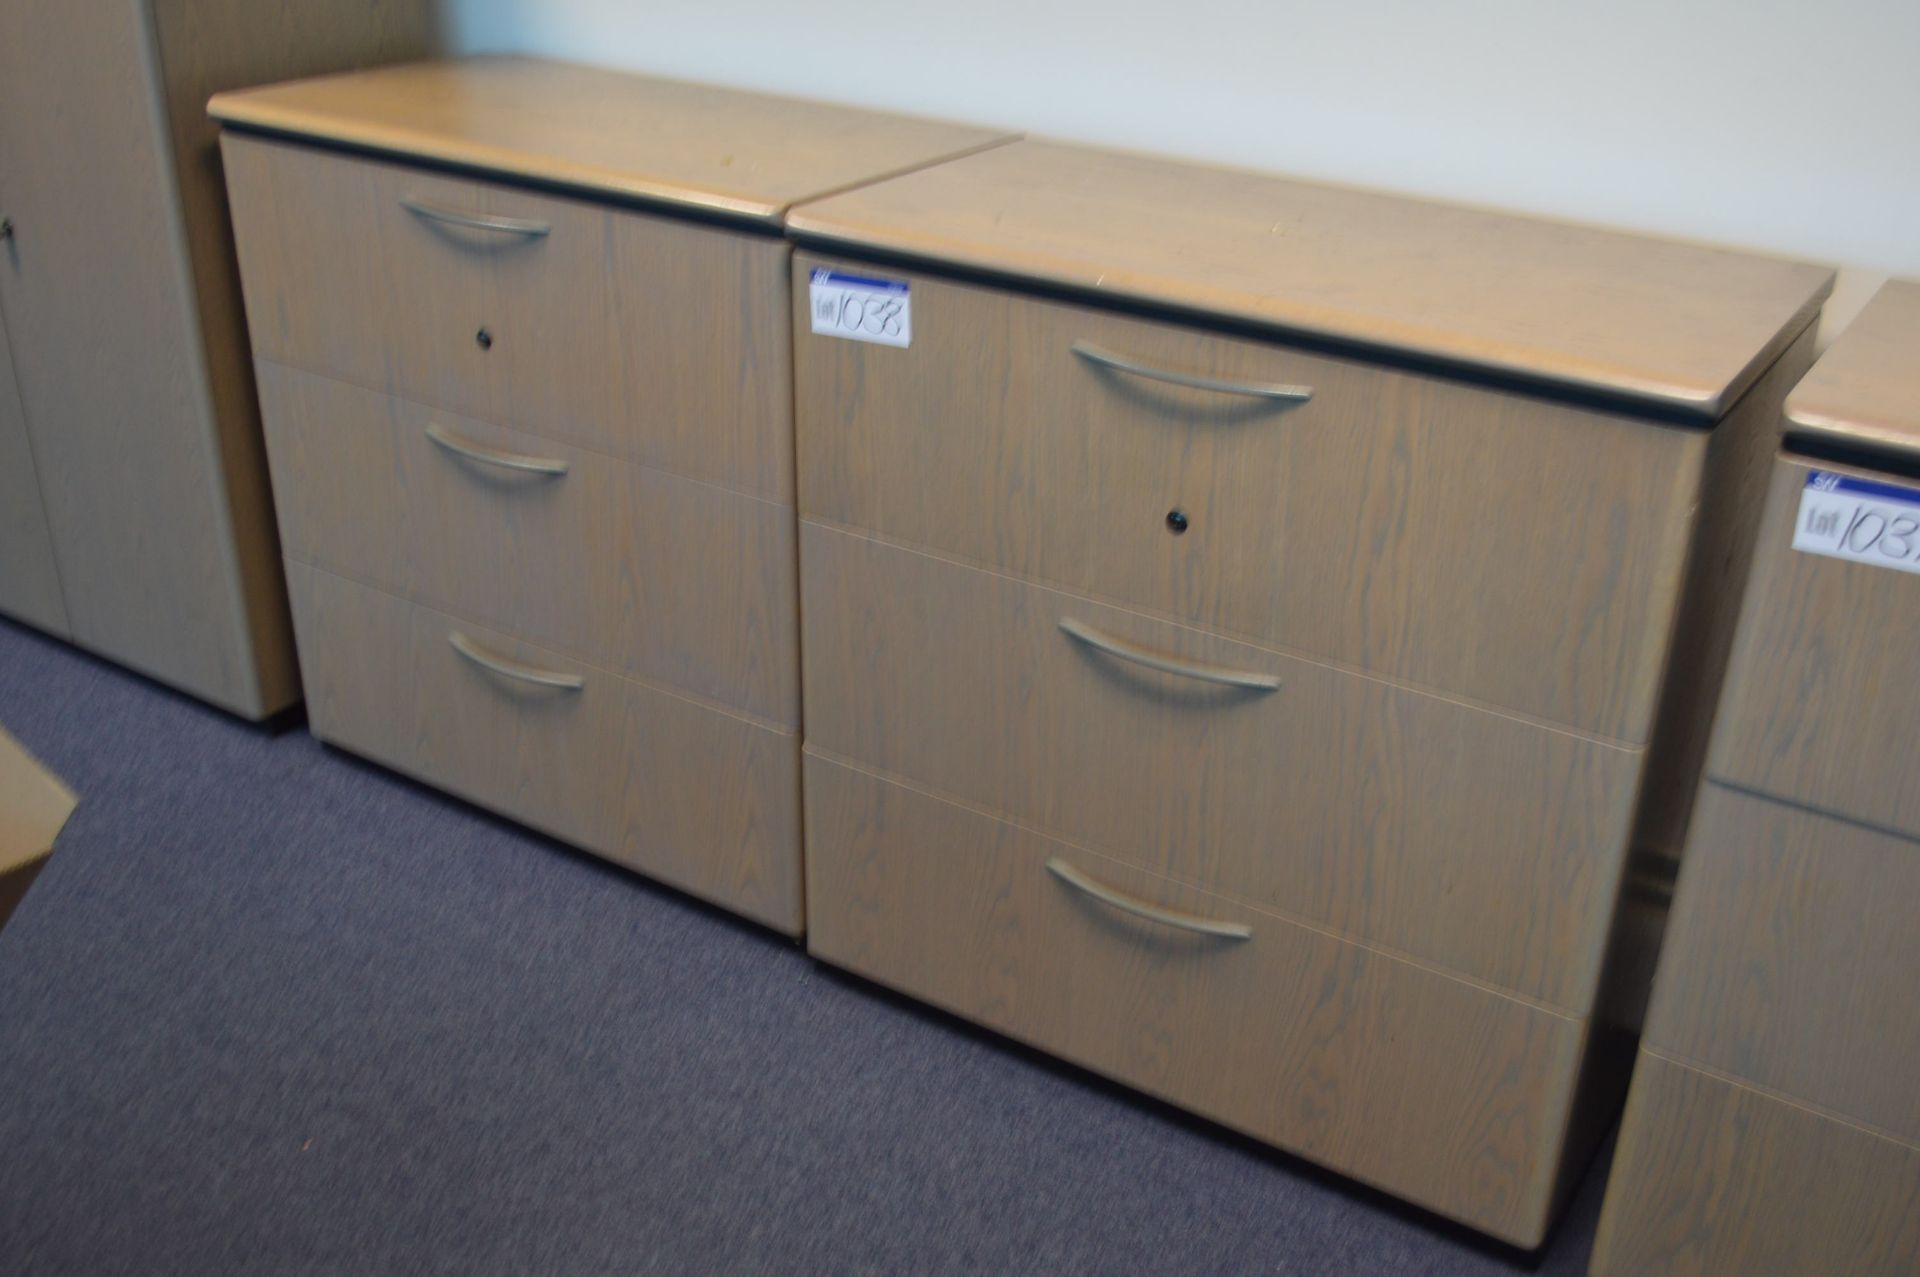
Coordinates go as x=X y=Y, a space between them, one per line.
x=1781 y=125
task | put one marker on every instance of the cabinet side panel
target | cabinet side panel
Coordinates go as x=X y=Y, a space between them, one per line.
x=1733 y=491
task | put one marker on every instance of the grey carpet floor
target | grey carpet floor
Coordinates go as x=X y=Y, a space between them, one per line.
x=274 y=1010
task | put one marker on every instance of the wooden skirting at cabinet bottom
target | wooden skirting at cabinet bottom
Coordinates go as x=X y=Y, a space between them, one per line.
x=1714 y=1177
x=703 y=800
x=1446 y=1093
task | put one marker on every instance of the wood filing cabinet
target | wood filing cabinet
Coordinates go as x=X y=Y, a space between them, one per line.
x=134 y=513
x=1774 y=1121
x=523 y=347
x=1236 y=614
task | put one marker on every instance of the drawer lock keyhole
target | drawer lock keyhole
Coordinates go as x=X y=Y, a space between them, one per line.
x=485 y=339
x=1176 y=521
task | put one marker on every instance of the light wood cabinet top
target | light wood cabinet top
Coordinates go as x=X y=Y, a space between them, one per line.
x=1679 y=327
x=1865 y=391
x=745 y=155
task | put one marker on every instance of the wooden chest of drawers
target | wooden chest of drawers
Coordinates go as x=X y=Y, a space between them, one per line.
x=1774 y=1123
x=1236 y=624
x=525 y=364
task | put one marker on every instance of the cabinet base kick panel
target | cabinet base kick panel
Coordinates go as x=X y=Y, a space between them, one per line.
x=702 y=800
x=1442 y=1092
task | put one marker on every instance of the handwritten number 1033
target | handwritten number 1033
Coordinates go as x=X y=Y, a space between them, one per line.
x=855 y=312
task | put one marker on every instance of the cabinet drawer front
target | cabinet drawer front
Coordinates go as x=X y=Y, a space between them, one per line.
x=1433 y=1089
x=619 y=564
x=1820 y=704
x=637 y=335
x=1503 y=549
x=702 y=800
x=1402 y=819
x=1711 y=1178
x=1792 y=959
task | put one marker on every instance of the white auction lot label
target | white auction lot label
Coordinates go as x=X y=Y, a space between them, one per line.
x=1859 y=519
x=860 y=308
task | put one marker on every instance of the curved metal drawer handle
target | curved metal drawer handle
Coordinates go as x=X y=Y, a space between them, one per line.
x=512 y=669
x=493 y=456
x=476 y=221
x=1257 y=389
x=1142 y=909
x=1167 y=664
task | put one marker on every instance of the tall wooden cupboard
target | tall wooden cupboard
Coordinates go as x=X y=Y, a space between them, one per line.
x=1240 y=618
x=1773 y=1128
x=134 y=512
x=523 y=343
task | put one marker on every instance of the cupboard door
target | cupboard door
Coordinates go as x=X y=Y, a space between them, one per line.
x=99 y=307
x=29 y=585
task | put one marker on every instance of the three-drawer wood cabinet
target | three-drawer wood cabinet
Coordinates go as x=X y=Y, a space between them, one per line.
x=524 y=358
x=135 y=518
x=1774 y=1121
x=1236 y=614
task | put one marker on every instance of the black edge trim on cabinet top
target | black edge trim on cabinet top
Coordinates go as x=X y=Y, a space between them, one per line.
x=770 y=228
x=1888 y=460
x=1458 y=371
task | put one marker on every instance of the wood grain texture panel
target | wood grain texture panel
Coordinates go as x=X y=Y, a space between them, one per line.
x=1792 y=960
x=29 y=580
x=202 y=47
x=1520 y=553
x=1710 y=1177
x=629 y=568
x=746 y=155
x=98 y=303
x=1821 y=704
x=702 y=800
x=1401 y=819
x=1865 y=391
x=641 y=336
x=1733 y=495
x=1678 y=325
x=1446 y=1094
